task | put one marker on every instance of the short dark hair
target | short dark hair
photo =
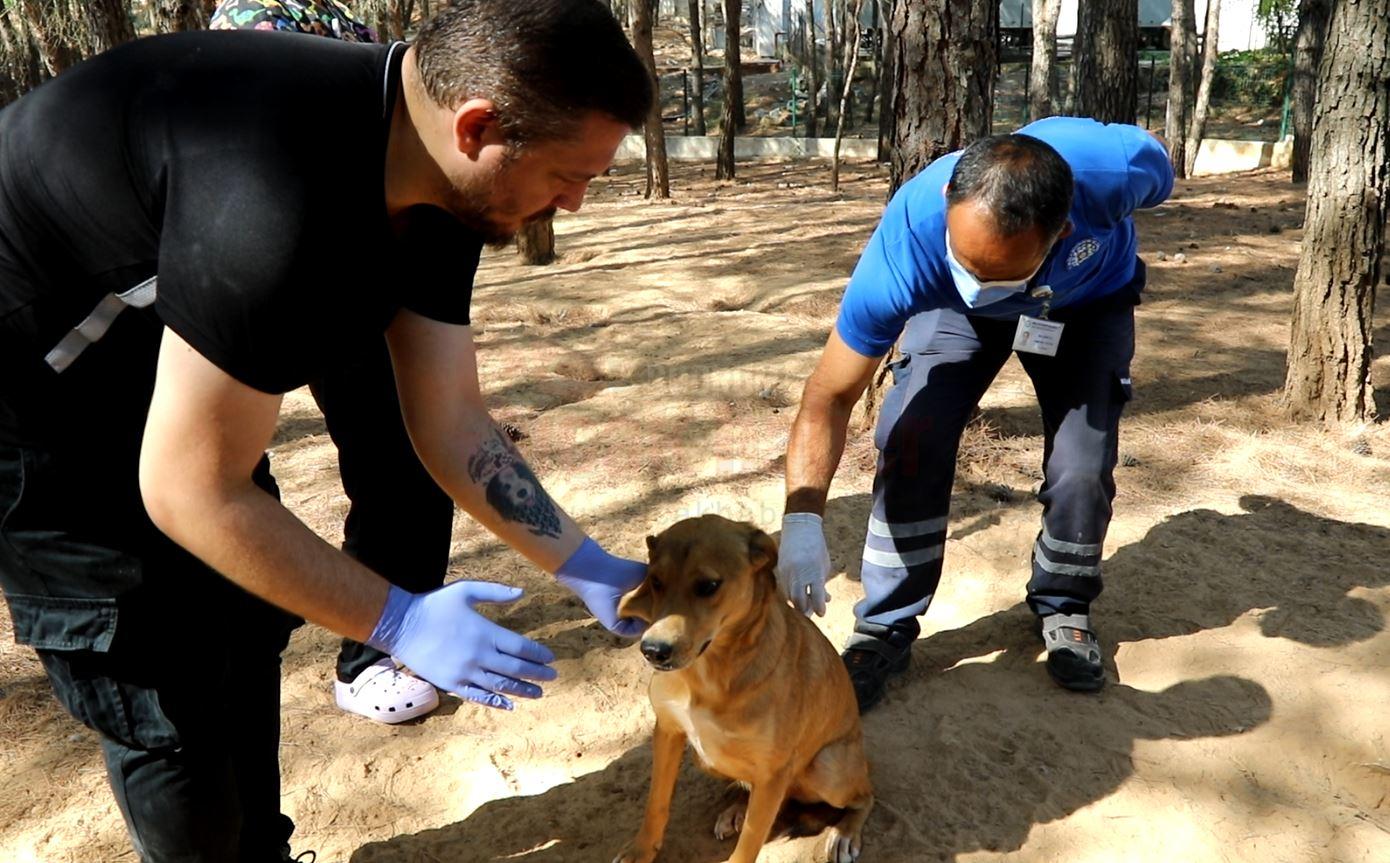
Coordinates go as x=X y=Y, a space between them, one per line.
x=545 y=63
x=1021 y=181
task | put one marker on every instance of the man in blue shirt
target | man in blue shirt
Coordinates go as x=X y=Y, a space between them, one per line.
x=1023 y=243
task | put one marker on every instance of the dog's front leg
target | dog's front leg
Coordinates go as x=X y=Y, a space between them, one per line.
x=668 y=744
x=764 y=802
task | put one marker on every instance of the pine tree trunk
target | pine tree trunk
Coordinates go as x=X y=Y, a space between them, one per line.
x=1341 y=263
x=733 y=49
x=1042 y=92
x=733 y=90
x=830 y=55
x=1312 y=25
x=176 y=16
x=1211 y=38
x=812 y=58
x=535 y=242
x=658 y=173
x=887 y=83
x=396 y=19
x=1180 y=90
x=851 y=60
x=944 y=71
x=1106 y=59
x=697 y=61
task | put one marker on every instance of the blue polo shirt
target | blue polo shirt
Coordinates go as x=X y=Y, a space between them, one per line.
x=1117 y=169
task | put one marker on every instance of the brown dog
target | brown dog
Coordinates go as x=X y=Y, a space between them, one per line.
x=756 y=689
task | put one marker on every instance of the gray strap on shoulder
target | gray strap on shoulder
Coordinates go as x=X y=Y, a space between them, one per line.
x=95 y=325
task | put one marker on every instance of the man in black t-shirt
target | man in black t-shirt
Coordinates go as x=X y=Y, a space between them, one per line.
x=172 y=260
x=400 y=522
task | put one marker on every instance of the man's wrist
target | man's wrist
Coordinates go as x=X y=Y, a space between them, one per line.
x=387 y=632
x=585 y=558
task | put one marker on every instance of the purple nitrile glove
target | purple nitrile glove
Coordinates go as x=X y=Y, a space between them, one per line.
x=600 y=580
x=441 y=638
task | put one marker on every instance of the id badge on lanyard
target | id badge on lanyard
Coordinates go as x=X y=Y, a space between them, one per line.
x=1039 y=335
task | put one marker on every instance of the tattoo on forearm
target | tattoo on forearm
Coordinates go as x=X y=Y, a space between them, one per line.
x=511 y=488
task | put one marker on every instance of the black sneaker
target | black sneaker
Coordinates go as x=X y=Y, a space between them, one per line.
x=1073 y=654
x=870 y=662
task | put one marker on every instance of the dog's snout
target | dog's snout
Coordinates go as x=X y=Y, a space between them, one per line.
x=656 y=651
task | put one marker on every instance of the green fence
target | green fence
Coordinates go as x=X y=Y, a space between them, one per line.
x=1248 y=97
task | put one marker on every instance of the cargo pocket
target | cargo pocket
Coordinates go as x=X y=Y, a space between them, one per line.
x=98 y=695
x=61 y=584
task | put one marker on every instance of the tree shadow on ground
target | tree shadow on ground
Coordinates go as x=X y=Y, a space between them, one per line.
x=939 y=794
x=587 y=819
x=958 y=767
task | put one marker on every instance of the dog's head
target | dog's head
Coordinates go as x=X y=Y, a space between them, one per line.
x=703 y=575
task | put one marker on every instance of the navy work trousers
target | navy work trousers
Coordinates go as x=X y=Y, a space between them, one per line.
x=949 y=360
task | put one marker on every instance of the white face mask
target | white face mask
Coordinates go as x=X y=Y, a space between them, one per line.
x=976 y=293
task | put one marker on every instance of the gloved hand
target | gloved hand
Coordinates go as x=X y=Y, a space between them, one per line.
x=442 y=639
x=803 y=562
x=600 y=580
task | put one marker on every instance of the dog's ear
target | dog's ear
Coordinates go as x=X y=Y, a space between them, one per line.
x=762 y=551
x=651 y=546
x=639 y=603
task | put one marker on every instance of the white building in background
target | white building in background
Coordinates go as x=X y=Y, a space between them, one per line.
x=767 y=24
x=1240 y=29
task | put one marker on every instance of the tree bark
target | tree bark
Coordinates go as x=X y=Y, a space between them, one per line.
x=1180 y=90
x=830 y=55
x=697 y=62
x=1106 y=58
x=1211 y=38
x=21 y=66
x=733 y=90
x=851 y=60
x=177 y=16
x=1312 y=25
x=1330 y=347
x=658 y=172
x=944 y=71
x=1042 y=91
x=110 y=23
x=52 y=52
x=812 y=58
x=535 y=242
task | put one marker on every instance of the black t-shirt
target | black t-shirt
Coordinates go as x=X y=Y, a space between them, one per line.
x=243 y=170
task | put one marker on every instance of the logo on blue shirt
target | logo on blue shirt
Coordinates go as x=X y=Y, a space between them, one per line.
x=1081 y=251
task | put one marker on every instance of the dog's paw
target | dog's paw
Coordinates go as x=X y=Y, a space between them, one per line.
x=841 y=847
x=730 y=821
x=636 y=852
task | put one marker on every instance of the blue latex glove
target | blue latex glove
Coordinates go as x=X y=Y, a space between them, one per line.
x=441 y=638
x=600 y=580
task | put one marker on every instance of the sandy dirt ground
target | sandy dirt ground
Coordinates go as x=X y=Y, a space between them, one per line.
x=656 y=369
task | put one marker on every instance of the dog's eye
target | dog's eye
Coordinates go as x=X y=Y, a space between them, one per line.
x=656 y=583
x=707 y=587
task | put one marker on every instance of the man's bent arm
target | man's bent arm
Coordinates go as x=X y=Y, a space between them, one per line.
x=464 y=450
x=205 y=434
x=818 y=435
